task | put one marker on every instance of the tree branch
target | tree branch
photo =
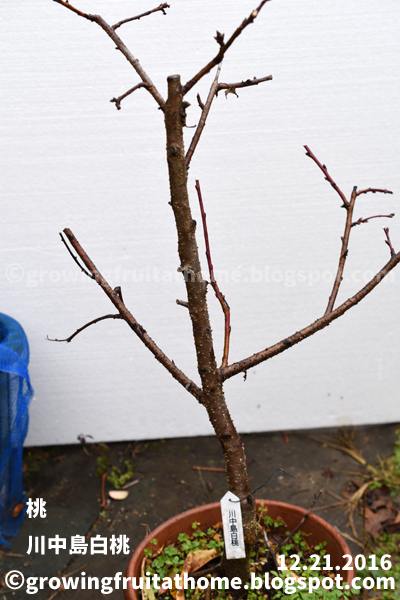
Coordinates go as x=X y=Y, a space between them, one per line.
x=213 y=397
x=221 y=297
x=361 y=220
x=231 y=87
x=76 y=11
x=343 y=252
x=214 y=89
x=120 y=98
x=162 y=7
x=349 y=206
x=223 y=48
x=374 y=191
x=327 y=176
x=71 y=337
x=259 y=357
x=120 y=46
x=75 y=258
x=115 y=298
x=203 y=117
x=388 y=242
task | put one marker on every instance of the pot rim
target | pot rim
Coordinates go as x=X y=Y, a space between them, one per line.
x=193 y=513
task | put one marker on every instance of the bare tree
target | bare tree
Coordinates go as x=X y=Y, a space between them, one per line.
x=210 y=392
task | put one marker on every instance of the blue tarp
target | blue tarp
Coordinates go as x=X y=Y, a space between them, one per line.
x=15 y=395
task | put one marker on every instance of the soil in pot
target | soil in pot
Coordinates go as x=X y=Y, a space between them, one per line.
x=319 y=538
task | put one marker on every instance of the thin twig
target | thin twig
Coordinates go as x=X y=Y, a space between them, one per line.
x=347 y=536
x=333 y=494
x=361 y=220
x=350 y=451
x=71 y=337
x=75 y=258
x=223 y=48
x=351 y=520
x=212 y=469
x=103 y=494
x=202 y=121
x=285 y=435
x=120 y=98
x=388 y=242
x=231 y=87
x=327 y=176
x=263 y=355
x=121 y=46
x=80 y=568
x=343 y=252
x=374 y=191
x=272 y=553
x=75 y=10
x=214 y=89
x=60 y=589
x=302 y=521
x=221 y=297
x=162 y=8
x=334 y=505
x=115 y=298
x=128 y=485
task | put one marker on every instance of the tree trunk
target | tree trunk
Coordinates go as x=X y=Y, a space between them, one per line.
x=213 y=396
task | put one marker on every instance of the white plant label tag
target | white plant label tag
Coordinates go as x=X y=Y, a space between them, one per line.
x=233 y=526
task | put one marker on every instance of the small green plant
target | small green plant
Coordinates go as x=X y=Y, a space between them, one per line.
x=297 y=594
x=170 y=561
x=267 y=520
x=388 y=472
x=389 y=544
x=116 y=478
x=34 y=458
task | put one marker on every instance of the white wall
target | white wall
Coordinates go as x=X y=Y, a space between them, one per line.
x=70 y=159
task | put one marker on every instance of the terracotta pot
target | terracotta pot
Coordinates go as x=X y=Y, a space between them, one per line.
x=210 y=514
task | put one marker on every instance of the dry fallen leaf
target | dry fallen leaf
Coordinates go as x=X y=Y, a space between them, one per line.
x=397 y=519
x=194 y=561
x=380 y=512
x=374 y=520
x=147 y=593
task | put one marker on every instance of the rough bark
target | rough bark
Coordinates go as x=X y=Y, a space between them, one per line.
x=213 y=395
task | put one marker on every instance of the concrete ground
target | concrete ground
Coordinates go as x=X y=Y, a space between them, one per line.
x=65 y=478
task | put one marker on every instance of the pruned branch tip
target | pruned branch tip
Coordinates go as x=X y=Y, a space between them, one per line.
x=120 y=98
x=232 y=87
x=161 y=8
